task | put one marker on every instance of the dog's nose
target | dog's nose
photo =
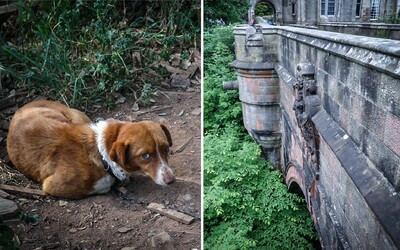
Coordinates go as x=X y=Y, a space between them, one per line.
x=170 y=180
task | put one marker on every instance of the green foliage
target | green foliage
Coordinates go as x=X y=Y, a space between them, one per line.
x=8 y=239
x=264 y=9
x=228 y=12
x=81 y=51
x=221 y=107
x=393 y=19
x=246 y=205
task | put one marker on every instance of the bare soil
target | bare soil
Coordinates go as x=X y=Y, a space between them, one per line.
x=122 y=221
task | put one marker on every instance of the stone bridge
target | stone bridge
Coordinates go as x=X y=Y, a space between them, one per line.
x=325 y=108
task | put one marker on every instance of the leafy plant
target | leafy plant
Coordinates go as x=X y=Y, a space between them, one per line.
x=225 y=12
x=246 y=205
x=221 y=108
x=264 y=9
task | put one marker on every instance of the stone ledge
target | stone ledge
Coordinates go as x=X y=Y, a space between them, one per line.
x=374 y=187
x=380 y=54
x=362 y=25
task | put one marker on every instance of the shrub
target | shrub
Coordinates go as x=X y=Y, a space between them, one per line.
x=221 y=107
x=246 y=205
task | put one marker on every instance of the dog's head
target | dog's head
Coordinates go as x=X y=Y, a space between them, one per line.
x=143 y=146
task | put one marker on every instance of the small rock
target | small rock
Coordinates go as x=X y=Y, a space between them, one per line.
x=161 y=239
x=62 y=203
x=123 y=190
x=151 y=233
x=128 y=248
x=185 y=64
x=196 y=111
x=194 y=82
x=135 y=107
x=73 y=230
x=187 y=197
x=120 y=100
x=124 y=229
x=192 y=207
x=180 y=81
x=181 y=113
x=176 y=60
x=162 y=120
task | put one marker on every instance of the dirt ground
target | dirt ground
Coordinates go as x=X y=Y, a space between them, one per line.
x=113 y=221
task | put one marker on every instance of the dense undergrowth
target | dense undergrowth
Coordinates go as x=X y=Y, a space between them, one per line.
x=246 y=205
x=80 y=52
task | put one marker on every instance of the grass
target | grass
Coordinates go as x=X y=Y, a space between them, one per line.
x=81 y=51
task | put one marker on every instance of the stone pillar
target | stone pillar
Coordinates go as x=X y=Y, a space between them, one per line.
x=258 y=85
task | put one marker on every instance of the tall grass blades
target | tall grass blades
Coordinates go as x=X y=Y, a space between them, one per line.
x=80 y=51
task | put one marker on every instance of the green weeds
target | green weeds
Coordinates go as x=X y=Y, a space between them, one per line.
x=81 y=51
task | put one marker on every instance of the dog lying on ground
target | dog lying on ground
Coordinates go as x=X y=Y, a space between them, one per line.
x=73 y=158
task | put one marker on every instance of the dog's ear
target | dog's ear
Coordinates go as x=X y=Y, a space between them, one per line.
x=119 y=153
x=166 y=132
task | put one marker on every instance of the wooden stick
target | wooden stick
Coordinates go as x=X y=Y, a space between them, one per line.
x=183 y=145
x=181 y=217
x=153 y=110
x=15 y=189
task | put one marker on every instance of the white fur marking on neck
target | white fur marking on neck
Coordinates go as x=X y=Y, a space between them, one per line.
x=99 y=130
x=163 y=168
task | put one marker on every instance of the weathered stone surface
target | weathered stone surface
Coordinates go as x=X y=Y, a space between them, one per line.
x=351 y=173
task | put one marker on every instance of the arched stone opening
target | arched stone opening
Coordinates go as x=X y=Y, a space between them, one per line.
x=276 y=5
x=295 y=188
x=265 y=11
x=294 y=179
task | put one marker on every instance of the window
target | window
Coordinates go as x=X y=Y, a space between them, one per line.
x=327 y=7
x=293 y=9
x=374 y=10
x=331 y=7
x=358 y=7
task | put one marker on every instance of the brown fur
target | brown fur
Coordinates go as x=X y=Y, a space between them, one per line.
x=56 y=146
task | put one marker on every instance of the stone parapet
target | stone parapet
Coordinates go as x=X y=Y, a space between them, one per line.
x=333 y=100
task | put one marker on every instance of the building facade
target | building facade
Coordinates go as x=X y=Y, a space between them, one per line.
x=305 y=12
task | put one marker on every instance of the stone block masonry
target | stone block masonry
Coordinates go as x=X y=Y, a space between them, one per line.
x=335 y=112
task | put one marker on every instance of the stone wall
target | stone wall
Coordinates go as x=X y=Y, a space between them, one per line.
x=388 y=31
x=340 y=129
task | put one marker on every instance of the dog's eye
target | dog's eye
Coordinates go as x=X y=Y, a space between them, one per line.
x=166 y=149
x=146 y=156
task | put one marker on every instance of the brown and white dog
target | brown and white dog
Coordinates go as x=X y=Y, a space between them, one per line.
x=62 y=149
